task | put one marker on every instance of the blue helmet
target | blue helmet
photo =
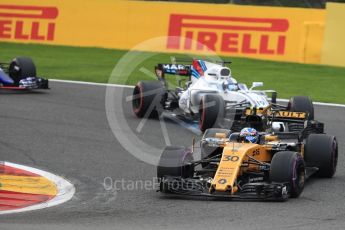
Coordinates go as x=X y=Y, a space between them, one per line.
x=249 y=135
x=232 y=84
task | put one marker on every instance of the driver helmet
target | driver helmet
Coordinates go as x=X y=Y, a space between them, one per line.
x=232 y=84
x=249 y=135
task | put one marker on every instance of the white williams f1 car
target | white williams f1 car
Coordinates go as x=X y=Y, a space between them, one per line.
x=207 y=87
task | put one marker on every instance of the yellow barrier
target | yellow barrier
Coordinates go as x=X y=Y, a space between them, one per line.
x=333 y=48
x=273 y=33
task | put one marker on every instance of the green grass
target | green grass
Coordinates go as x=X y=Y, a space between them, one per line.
x=322 y=83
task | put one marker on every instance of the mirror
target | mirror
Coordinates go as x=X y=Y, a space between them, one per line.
x=256 y=84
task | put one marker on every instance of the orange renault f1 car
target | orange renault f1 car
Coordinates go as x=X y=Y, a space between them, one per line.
x=274 y=167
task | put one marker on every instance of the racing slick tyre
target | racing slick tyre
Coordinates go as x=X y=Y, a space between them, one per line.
x=321 y=151
x=20 y=68
x=302 y=104
x=211 y=110
x=147 y=99
x=288 y=167
x=175 y=162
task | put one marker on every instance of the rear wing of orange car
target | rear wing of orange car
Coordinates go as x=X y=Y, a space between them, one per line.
x=298 y=122
x=278 y=115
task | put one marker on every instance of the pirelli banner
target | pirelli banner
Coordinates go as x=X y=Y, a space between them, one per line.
x=287 y=34
x=334 y=43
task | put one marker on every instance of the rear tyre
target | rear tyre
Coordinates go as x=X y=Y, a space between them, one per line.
x=302 y=104
x=211 y=110
x=147 y=99
x=175 y=162
x=288 y=167
x=20 y=68
x=321 y=151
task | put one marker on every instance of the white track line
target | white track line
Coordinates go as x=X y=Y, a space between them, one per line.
x=91 y=83
x=130 y=86
x=65 y=189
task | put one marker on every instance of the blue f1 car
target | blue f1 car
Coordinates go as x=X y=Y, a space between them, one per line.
x=20 y=74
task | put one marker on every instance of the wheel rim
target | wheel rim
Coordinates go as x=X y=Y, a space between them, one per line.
x=301 y=177
x=137 y=101
x=298 y=177
x=334 y=156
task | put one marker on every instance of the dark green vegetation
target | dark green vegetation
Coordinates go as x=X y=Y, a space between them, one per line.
x=322 y=83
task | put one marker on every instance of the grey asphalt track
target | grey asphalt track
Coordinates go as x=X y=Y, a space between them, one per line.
x=65 y=131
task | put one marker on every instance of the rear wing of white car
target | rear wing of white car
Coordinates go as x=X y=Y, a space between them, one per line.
x=174 y=69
